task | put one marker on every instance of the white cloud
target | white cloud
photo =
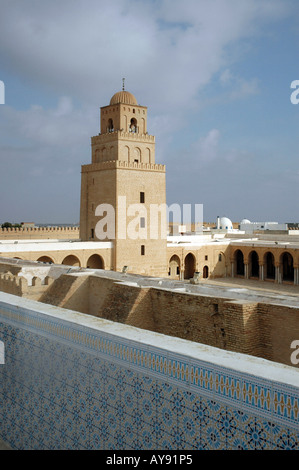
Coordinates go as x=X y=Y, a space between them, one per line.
x=238 y=87
x=206 y=148
x=166 y=49
x=61 y=126
x=79 y=51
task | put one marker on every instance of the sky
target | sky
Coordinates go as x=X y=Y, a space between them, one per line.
x=215 y=75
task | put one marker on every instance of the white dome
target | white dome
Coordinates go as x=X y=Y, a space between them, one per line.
x=225 y=224
x=245 y=221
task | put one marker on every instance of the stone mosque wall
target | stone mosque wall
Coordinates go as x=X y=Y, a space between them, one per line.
x=258 y=328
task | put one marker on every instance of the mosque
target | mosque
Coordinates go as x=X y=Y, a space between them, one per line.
x=123 y=218
x=132 y=333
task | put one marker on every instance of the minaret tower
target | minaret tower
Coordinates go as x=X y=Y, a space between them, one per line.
x=124 y=180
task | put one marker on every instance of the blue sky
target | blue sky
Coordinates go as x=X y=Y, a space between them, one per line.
x=215 y=75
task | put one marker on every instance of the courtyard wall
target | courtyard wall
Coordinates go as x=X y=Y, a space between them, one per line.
x=73 y=381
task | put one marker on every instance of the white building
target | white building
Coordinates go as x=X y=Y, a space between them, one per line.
x=250 y=227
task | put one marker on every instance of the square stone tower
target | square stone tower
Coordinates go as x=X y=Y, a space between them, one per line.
x=123 y=190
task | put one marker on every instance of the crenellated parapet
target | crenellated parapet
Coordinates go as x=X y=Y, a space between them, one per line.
x=57 y=232
x=121 y=134
x=123 y=165
x=30 y=287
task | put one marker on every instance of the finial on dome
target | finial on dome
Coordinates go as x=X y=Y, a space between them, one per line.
x=123 y=84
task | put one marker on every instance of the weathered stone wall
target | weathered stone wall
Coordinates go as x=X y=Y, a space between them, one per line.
x=18 y=285
x=256 y=329
x=280 y=327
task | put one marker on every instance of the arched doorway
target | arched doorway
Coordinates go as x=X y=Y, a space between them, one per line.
x=189 y=266
x=95 y=262
x=269 y=263
x=174 y=267
x=239 y=259
x=287 y=268
x=71 y=260
x=45 y=259
x=205 y=273
x=253 y=264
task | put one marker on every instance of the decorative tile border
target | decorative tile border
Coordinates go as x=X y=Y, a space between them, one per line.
x=175 y=384
x=229 y=386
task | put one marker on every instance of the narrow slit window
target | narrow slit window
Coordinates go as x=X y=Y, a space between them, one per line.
x=142 y=198
x=142 y=250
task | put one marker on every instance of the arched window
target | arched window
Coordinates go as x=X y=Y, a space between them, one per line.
x=137 y=155
x=104 y=154
x=126 y=153
x=110 y=125
x=133 y=125
x=205 y=273
x=97 y=155
x=147 y=156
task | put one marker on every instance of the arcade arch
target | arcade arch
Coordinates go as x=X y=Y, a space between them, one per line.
x=174 y=267
x=239 y=260
x=45 y=259
x=253 y=261
x=269 y=265
x=95 y=262
x=190 y=266
x=71 y=260
x=286 y=264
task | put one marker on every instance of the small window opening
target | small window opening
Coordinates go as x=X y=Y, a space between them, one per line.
x=142 y=250
x=110 y=125
x=142 y=198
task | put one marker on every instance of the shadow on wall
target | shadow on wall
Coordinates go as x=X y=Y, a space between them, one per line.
x=67 y=291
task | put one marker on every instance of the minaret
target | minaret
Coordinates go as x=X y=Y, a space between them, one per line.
x=123 y=176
